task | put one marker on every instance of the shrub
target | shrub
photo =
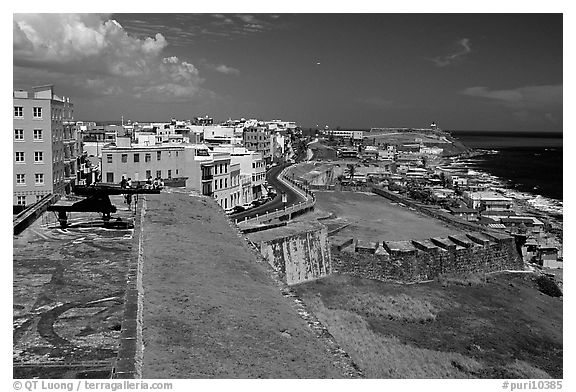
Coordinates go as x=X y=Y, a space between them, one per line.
x=548 y=286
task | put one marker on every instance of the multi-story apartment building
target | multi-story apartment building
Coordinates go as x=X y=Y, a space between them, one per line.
x=193 y=165
x=259 y=139
x=345 y=134
x=251 y=166
x=45 y=144
x=222 y=135
x=141 y=162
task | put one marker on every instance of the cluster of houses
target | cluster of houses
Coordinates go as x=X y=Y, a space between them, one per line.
x=227 y=161
x=418 y=169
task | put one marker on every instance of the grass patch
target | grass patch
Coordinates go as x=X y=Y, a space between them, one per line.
x=393 y=307
x=523 y=369
x=470 y=279
x=501 y=328
x=386 y=356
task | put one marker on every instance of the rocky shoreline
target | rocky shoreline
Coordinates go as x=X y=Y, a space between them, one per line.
x=549 y=211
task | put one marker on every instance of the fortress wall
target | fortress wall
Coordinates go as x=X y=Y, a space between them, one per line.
x=416 y=264
x=300 y=256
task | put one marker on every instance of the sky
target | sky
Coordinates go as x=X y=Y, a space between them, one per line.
x=462 y=71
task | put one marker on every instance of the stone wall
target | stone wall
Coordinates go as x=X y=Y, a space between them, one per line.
x=428 y=210
x=299 y=252
x=420 y=260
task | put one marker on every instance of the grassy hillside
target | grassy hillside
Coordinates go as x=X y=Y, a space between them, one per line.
x=498 y=326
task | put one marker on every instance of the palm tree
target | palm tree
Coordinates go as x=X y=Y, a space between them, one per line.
x=351 y=170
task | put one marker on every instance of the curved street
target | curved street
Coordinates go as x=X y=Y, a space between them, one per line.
x=275 y=204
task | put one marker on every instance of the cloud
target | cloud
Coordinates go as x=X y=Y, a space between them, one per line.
x=522 y=97
x=225 y=69
x=528 y=103
x=185 y=29
x=97 y=56
x=454 y=58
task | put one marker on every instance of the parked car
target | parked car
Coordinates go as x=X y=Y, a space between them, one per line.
x=238 y=209
x=258 y=202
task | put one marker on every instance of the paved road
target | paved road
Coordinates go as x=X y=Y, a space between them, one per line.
x=276 y=203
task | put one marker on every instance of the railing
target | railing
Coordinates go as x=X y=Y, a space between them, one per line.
x=26 y=217
x=286 y=211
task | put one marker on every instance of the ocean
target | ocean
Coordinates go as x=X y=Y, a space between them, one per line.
x=530 y=163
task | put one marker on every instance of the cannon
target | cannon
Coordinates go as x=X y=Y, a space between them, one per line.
x=96 y=198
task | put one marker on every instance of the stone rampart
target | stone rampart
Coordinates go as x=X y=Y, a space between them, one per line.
x=299 y=252
x=420 y=260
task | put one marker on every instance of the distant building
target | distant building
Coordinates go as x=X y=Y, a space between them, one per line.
x=468 y=214
x=487 y=201
x=206 y=120
x=45 y=144
x=140 y=162
x=338 y=133
x=252 y=168
x=347 y=153
x=259 y=139
x=222 y=135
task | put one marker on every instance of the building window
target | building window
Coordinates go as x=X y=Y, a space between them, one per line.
x=124 y=158
x=169 y=173
x=158 y=155
x=38 y=135
x=136 y=158
x=20 y=179
x=19 y=156
x=148 y=174
x=221 y=184
x=18 y=111
x=225 y=183
x=37 y=112
x=38 y=157
x=108 y=158
x=21 y=200
x=176 y=171
x=147 y=157
x=176 y=153
x=18 y=134
x=39 y=197
x=159 y=173
x=39 y=179
x=109 y=177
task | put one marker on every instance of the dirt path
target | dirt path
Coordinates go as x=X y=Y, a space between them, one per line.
x=210 y=310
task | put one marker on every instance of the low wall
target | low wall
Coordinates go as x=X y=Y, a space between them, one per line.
x=31 y=213
x=299 y=252
x=434 y=213
x=413 y=261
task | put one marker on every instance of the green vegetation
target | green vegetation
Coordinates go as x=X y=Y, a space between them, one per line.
x=474 y=326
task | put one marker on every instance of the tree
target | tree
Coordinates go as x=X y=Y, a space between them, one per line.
x=443 y=179
x=351 y=170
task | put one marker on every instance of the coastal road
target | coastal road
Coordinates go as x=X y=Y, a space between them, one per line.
x=276 y=203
